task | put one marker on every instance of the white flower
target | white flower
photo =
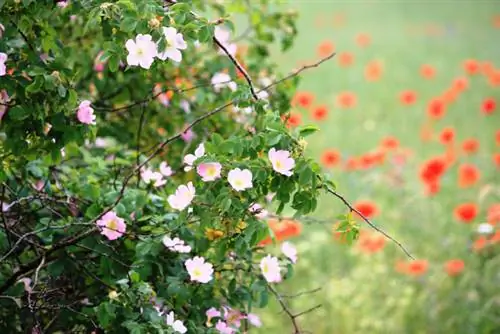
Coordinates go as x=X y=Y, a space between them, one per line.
x=221 y=80
x=185 y=106
x=142 y=51
x=281 y=161
x=176 y=245
x=183 y=197
x=270 y=268
x=209 y=171
x=254 y=320
x=223 y=36
x=175 y=42
x=3 y=68
x=148 y=176
x=485 y=228
x=189 y=159
x=258 y=211
x=199 y=270
x=176 y=325
x=240 y=179
x=290 y=251
x=165 y=169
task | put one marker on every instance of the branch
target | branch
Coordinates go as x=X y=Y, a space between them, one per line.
x=239 y=67
x=372 y=225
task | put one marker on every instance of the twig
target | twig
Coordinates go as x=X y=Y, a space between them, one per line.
x=239 y=67
x=302 y=293
x=372 y=225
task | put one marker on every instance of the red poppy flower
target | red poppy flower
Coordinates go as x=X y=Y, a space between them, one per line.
x=283 y=230
x=303 y=99
x=363 y=40
x=432 y=170
x=479 y=243
x=373 y=70
x=346 y=59
x=436 y=108
x=449 y=96
x=471 y=66
x=346 y=100
x=367 y=208
x=389 y=143
x=319 y=113
x=496 y=159
x=432 y=188
x=460 y=84
x=468 y=175
x=493 y=215
x=408 y=97
x=497 y=137
x=325 y=49
x=466 y=212
x=489 y=106
x=330 y=158
x=447 y=136
x=370 y=243
x=470 y=145
x=417 y=267
x=454 y=267
x=351 y=164
x=293 y=120
x=494 y=78
x=427 y=71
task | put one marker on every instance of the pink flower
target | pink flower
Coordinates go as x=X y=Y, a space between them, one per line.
x=174 y=43
x=98 y=63
x=240 y=179
x=189 y=159
x=27 y=284
x=199 y=270
x=224 y=37
x=223 y=328
x=3 y=68
x=258 y=211
x=209 y=171
x=211 y=313
x=221 y=80
x=141 y=51
x=270 y=268
x=4 y=99
x=290 y=251
x=111 y=226
x=188 y=135
x=176 y=245
x=281 y=161
x=148 y=176
x=85 y=113
x=165 y=169
x=254 y=320
x=233 y=317
x=183 y=197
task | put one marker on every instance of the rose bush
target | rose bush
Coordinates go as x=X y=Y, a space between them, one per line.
x=110 y=223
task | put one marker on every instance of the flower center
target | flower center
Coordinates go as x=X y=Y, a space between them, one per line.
x=113 y=225
x=197 y=272
x=278 y=164
x=265 y=268
x=239 y=183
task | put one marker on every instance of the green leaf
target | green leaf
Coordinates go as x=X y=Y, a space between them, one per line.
x=36 y=85
x=307 y=130
x=128 y=24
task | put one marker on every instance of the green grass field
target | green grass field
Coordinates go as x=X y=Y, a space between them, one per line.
x=363 y=293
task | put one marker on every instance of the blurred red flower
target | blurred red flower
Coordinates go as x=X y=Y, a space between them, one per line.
x=479 y=243
x=493 y=215
x=497 y=137
x=389 y=143
x=494 y=78
x=370 y=243
x=460 y=84
x=346 y=100
x=373 y=70
x=303 y=99
x=447 y=135
x=293 y=120
x=427 y=71
x=346 y=59
x=468 y=175
x=432 y=170
x=470 y=145
x=417 y=267
x=282 y=229
x=330 y=158
x=496 y=21
x=488 y=107
x=436 y=108
x=454 y=267
x=367 y=208
x=432 y=188
x=408 y=97
x=487 y=68
x=466 y=212
x=363 y=39
x=319 y=113
x=325 y=48
x=471 y=66
x=351 y=164
x=496 y=159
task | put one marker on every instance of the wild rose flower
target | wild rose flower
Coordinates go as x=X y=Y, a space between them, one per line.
x=240 y=179
x=149 y=176
x=183 y=197
x=27 y=284
x=188 y=135
x=209 y=171
x=185 y=106
x=258 y=211
x=212 y=313
x=3 y=68
x=141 y=52
x=175 y=43
x=176 y=245
x=98 y=63
x=199 y=270
x=281 y=161
x=177 y=325
x=111 y=226
x=85 y=113
x=189 y=159
x=221 y=80
x=270 y=268
x=290 y=251
x=254 y=320
x=224 y=37
x=223 y=328
x=165 y=169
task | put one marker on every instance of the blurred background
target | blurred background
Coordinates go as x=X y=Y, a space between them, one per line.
x=410 y=131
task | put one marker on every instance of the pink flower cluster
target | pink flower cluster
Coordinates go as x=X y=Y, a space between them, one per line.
x=230 y=319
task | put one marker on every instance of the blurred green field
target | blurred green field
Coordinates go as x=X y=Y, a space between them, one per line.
x=363 y=293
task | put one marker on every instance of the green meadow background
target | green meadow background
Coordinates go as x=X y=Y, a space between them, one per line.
x=363 y=293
